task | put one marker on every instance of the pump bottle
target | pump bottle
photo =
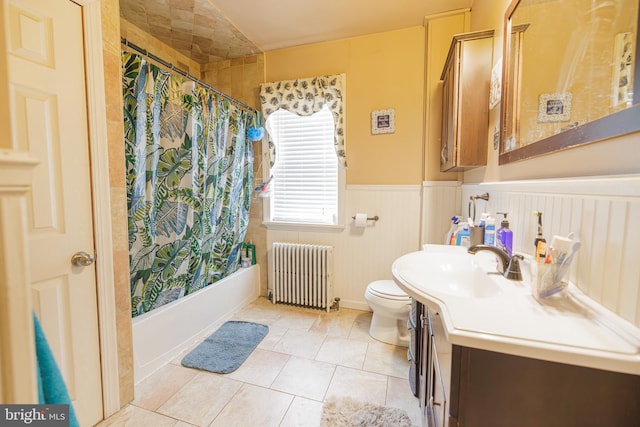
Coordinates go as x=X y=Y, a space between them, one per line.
x=504 y=236
x=540 y=242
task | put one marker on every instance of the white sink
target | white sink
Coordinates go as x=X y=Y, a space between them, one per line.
x=455 y=274
x=482 y=309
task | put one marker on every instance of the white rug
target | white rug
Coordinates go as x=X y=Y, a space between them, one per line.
x=348 y=412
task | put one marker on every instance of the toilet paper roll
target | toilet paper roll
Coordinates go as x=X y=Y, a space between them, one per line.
x=361 y=220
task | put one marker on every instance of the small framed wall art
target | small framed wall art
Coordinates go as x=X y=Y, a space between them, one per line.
x=554 y=107
x=383 y=121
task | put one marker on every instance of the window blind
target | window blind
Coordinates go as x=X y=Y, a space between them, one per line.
x=304 y=188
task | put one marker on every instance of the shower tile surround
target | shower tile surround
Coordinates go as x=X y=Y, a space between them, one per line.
x=278 y=385
x=603 y=212
x=137 y=36
x=194 y=28
x=118 y=194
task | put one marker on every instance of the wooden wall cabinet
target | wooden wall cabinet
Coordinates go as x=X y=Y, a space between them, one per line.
x=468 y=387
x=465 y=101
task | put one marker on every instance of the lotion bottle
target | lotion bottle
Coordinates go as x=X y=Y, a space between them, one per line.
x=504 y=236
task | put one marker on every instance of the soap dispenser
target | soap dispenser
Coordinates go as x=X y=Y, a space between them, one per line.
x=504 y=236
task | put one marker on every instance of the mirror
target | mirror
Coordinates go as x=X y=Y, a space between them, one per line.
x=569 y=76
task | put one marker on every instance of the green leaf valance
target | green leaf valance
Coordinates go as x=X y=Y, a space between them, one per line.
x=305 y=97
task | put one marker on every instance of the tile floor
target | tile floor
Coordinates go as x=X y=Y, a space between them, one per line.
x=307 y=357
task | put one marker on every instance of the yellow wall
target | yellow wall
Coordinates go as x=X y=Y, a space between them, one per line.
x=384 y=70
x=610 y=157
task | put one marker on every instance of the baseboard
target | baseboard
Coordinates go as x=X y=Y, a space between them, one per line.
x=355 y=305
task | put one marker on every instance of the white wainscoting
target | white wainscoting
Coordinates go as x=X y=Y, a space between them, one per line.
x=604 y=212
x=440 y=201
x=362 y=255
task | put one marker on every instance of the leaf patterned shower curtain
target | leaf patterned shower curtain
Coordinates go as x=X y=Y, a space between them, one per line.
x=189 y=168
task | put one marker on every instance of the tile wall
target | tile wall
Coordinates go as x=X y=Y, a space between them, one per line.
x=115 y=130
x=239 y=78
x=156 y=47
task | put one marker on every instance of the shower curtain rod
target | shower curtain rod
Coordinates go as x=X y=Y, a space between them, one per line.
x=146 y=53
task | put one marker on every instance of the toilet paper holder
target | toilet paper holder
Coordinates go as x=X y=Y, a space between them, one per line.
x=373 y=218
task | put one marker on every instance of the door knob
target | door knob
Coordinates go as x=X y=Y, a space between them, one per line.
x=82 y=259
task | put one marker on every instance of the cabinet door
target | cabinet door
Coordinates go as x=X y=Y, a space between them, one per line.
x=424 y=392
x=475 y=61
x=439 y=373
x=448 y=152
x=414 y=351
x=465 y=95
x=437 y=403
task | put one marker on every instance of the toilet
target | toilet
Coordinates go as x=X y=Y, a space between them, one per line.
x=391 y=307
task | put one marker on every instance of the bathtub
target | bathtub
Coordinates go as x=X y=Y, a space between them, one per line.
x=162 y=334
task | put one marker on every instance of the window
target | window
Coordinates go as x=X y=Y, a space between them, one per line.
x=305 y=184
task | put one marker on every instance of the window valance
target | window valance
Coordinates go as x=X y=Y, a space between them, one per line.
x=305 y=97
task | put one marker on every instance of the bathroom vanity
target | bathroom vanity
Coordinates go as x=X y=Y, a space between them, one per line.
x=489 y=354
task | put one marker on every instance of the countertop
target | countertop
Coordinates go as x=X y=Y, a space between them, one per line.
x=570 y=328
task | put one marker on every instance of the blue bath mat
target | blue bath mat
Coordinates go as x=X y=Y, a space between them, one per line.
x=227 y=348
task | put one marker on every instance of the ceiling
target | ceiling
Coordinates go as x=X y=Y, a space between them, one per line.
x=214 y=30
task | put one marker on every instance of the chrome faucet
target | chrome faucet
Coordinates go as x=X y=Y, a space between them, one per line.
x=510 y=265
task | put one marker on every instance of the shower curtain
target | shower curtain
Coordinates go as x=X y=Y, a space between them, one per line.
x=189 y=178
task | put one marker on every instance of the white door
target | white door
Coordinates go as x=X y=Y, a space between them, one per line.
x=48 y=101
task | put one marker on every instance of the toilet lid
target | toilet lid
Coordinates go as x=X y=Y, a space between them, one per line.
x=388 y=289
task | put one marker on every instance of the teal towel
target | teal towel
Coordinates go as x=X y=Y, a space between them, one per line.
x=51 y=387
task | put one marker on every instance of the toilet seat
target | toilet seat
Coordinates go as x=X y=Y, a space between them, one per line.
x=387 y=289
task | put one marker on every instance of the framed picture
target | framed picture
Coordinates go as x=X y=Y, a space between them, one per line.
x=554 y=107
x=383 y=121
